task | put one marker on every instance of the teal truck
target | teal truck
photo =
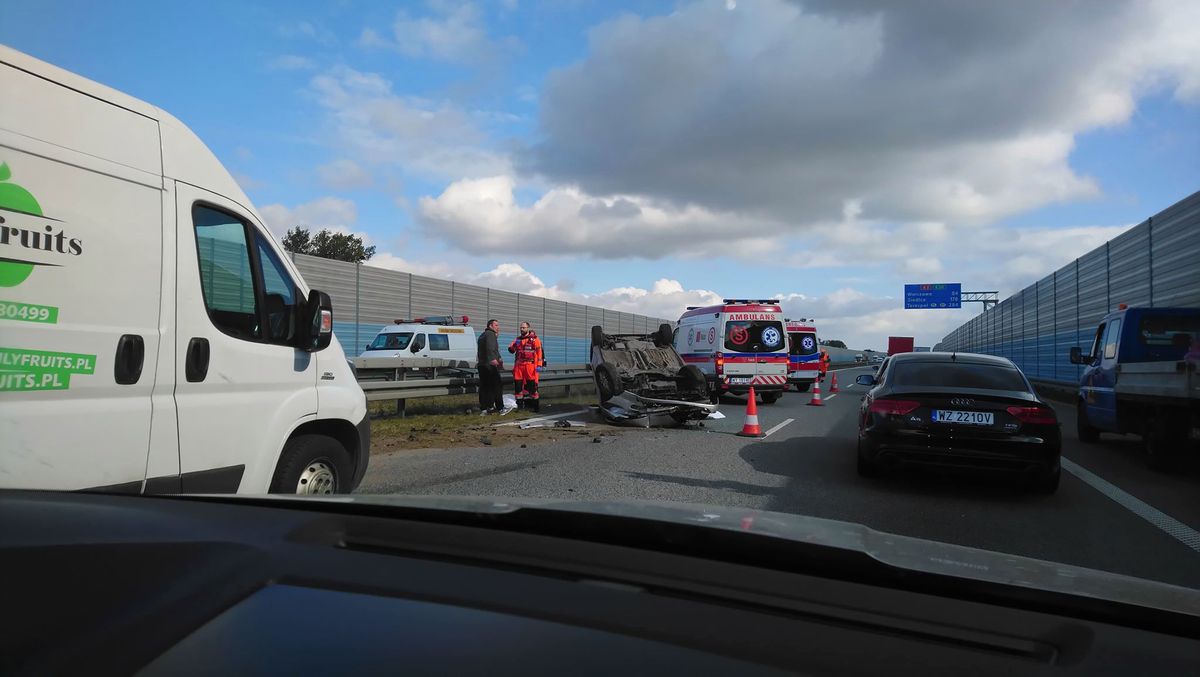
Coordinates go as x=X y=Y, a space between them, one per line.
x=1141 y=376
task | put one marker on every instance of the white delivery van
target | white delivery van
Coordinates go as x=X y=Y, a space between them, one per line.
x=154 y=338
x=738 y=344
x=446 y=338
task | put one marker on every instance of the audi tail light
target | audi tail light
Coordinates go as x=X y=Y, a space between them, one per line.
x=1034 y=415
x=893 y=407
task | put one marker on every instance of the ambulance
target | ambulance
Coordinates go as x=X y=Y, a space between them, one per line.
x=738 y=344
x=154 y=336
x=804 y=353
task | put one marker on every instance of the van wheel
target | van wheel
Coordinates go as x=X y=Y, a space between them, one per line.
x=312 y=464
x=608 y=382
x=770 y=398
x=803 y=387
x=665 y=336
x=1083 y=428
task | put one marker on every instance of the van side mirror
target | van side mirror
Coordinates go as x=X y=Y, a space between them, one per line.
x=418 y=343
x=318 y=318
x=865 y=380
x=1077 y=356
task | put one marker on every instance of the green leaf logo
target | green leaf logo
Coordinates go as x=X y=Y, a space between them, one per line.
x=17 y=199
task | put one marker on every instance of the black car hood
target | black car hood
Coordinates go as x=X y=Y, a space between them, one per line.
x=904 y=552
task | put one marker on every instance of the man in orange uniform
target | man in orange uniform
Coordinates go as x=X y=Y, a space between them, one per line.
x=528 y=349
x=823 y=366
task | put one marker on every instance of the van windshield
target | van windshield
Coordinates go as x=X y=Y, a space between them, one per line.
x=395 y=341
x=759 y=336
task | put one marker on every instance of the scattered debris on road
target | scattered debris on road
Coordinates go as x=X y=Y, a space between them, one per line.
x=457 y=430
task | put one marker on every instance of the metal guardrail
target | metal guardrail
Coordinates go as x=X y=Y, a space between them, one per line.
x=417 y=379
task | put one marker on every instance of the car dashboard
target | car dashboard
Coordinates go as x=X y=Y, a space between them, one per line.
x=116 y=584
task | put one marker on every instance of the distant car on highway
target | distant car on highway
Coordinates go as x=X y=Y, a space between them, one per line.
x=877 y=359
x=958 y=411
x=439 y=337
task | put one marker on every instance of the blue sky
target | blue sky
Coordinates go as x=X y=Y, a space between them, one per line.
x=680 y=151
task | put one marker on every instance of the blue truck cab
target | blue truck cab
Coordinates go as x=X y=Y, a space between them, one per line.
x=1140 y=377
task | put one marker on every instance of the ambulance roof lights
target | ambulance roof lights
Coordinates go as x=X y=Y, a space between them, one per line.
x=760 y=301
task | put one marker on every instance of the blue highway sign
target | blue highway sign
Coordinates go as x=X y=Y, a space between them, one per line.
x=920 y=296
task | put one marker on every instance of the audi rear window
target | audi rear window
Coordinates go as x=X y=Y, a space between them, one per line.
x=955 y=375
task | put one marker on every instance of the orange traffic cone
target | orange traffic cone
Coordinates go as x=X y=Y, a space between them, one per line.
x=816 y=398
x=751 y=428
x=833 y=385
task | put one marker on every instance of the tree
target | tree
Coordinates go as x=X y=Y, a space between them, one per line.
x=297 y=241
x=328 y=245
x=834 y=343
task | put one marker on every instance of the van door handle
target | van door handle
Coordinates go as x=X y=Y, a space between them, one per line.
x=131 y=353
x=196 y=362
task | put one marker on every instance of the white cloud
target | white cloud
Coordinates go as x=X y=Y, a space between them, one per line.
x=934 y=111
x=344 y=175
x=453 y=32
x=291 y=62
x=247 y=182
x=433 y=139
x=307 y=30
x=334 y=213
x=482 y=216
x=427 y=268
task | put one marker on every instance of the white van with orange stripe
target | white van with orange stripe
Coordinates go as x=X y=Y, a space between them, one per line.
x=738 y=344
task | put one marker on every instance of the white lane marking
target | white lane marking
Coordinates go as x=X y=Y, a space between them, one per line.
x=538 y=419
x=776 y=428
x=831 y=397
x=1173 y=527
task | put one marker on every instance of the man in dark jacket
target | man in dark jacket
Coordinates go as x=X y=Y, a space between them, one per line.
x=491 y=392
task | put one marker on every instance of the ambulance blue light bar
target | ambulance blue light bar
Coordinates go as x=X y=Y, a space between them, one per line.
x=750 y=301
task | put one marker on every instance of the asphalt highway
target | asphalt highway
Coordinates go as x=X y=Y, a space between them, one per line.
x=1110 y=512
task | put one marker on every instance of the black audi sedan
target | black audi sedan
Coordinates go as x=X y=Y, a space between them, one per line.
x=958 y=410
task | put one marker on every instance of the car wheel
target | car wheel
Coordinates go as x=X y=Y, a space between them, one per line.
x=803 y=387
x=1083 y=427
x=608 y=382
x=1046 y=483
x=312 y=464
x=770 y=398
x=867 y=467
x=665 y=336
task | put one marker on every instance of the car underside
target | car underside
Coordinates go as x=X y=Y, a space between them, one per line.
x=641 y=378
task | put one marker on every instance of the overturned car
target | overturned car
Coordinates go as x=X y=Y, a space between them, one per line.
x=641 y=379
